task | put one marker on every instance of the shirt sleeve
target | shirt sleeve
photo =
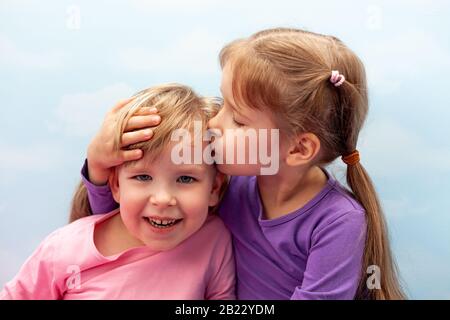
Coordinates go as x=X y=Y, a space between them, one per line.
x=36 y=278
x=223 y=282
x=100 y=197
x=334 y=265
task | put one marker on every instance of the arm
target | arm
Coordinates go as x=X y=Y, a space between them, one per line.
x=100 y=197
x=36 y=278
x=334 y=265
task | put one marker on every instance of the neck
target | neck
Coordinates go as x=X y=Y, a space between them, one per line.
x=290 y=189
x=112 y=237
x=127 y=239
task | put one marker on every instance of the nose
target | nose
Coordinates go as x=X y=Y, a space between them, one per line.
x=214 y=123
x=163 y=199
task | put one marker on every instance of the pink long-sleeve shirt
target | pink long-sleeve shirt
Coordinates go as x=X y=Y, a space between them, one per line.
x=67 y=265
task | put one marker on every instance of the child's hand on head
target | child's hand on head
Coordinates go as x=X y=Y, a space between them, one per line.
x=101 y=154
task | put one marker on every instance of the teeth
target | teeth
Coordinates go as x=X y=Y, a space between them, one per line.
x=161 y=223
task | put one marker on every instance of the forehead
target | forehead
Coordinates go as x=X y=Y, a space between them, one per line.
x=260 y=116
x=226 y=88
x=233 y=98
x=226 y=81
x=166 y=159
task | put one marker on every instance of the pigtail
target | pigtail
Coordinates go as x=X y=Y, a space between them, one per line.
x=377 y=250
x=353 y=106
x=80 y=206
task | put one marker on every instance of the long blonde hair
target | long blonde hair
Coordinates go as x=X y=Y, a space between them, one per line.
x=178 y=105
x=287 y=71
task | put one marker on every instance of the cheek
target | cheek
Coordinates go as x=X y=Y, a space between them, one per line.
x=194 y=203
x=132 y=202
x=243 y=152
x=132 y=195
x=194 y=206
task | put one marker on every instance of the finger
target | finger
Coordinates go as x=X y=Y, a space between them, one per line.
x=136 y=136
x=121 y=104
x=146 y=111
x=130 y=155
x=140 y=122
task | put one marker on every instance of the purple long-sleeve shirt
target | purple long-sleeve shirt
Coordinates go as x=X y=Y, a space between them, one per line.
x=314 y=252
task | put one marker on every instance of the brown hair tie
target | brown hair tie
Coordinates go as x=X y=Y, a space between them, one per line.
x=352 y=158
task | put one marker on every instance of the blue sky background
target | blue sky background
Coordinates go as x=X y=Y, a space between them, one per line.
x=63 y=64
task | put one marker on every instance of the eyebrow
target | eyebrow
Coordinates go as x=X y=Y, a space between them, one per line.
x=186 y=168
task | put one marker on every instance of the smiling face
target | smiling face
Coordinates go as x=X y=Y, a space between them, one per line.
x=161 y=203
x=241 y=122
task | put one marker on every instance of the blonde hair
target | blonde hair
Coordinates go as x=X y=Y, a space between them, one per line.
x=179 y=107
x=287 y=71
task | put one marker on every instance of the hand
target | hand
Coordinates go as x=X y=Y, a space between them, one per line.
x=101 y=154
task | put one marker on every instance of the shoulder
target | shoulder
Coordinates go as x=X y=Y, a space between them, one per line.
x=212 y=237
x=78 y=228
x=217 y=241
x=214 y=228
x=345 y=198
x=59 y=242
x=340 y=212
x=70 y=241
x=338 y=202
x=207 y=246
x=65 y=231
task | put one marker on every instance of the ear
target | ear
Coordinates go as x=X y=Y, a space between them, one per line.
x=303 y=149
x=214 y=196
x=113 y=182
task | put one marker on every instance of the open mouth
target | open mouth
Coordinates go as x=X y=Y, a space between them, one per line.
x=162 y=224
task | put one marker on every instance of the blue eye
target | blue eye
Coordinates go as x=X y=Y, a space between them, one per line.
x=186 y=179
x=142 y=177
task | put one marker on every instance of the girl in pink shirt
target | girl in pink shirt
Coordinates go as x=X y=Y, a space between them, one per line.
x=162 y=242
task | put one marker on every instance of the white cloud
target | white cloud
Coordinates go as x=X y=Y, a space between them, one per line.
x=8 y=4
x=425 y=271
x=425 y=6
x=12 y=55
x=404 y=207
x=177 y=5
x=391 y=150
x=399 y=57
x=39 y=156
x=81 y=114
x=195 y=53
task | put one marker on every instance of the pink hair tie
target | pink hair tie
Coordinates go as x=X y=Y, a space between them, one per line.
x=336 y=78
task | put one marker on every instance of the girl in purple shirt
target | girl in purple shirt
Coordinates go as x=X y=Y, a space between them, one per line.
x=297 y=233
